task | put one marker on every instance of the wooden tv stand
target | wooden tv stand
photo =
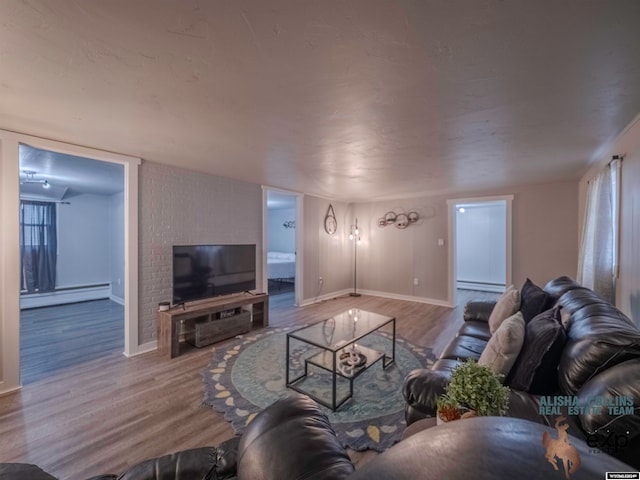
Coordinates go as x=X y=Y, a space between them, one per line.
x=169 y=321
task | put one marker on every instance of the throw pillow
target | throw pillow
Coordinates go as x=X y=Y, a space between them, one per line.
x=504 y=346
x=565 y=318
x=533 y=300
x=536 y=368
x=507 y=305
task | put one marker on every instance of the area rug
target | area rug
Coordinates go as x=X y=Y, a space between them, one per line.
x=247 y=374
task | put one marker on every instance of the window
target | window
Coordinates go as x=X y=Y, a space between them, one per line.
x=598 y=262
x=38 y=246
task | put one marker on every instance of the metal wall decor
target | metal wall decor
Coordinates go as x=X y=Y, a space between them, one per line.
x=289 y=224
x=330 y=222
x=400 y=220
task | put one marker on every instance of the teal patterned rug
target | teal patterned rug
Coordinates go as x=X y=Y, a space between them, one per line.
x=247 y=374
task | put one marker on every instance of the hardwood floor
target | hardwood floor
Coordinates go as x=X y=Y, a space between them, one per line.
x=110 y=413
x=57 y=337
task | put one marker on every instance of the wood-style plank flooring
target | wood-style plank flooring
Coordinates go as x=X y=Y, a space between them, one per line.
x=109 y=413
x=57 y=337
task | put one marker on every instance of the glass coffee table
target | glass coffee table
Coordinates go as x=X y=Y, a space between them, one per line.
x=331 y=346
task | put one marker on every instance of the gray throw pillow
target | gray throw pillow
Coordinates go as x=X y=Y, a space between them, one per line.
x=504 y=345
x=507 y=305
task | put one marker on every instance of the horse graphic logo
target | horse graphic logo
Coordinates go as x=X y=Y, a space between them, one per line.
x=562 y=449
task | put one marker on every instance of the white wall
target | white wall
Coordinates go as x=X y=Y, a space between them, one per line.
x=545 y=232
x=116 y=246
x=389 y=259
x=281 y=239
x=83 y=241
x=324 y=255
x=481 y=244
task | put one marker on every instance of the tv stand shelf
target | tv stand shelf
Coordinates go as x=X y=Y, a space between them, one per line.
x=169 y=321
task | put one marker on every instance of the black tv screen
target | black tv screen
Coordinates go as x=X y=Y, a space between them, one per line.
x=203 y=271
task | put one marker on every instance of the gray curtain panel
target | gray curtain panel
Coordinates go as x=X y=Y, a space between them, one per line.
x=38 y=246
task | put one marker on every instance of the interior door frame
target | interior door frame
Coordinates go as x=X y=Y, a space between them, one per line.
x=10 y=248
x=451 y=233
x=265 y=239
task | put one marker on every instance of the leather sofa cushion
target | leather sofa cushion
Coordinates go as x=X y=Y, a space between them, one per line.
x=421 y=390
x=475 y=328
x=533 y=300
x=481 y=447
x=527 y=406
x=507 y=305
x=535 y=370
x=620 y=382
x=504 y=345
x=23 y=471
x=579 y=299
x=463 y=347
x=561 y=285
x=445 y=365
x=478 y=310
x=291 y=439
x=204 y=462
x=599 y=337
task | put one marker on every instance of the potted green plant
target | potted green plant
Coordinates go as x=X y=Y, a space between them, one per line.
x=473 y=388
x=447 y=409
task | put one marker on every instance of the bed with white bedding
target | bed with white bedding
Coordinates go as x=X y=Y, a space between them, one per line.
x=281 y=265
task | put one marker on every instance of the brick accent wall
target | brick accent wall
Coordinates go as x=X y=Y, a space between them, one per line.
x=179 y=206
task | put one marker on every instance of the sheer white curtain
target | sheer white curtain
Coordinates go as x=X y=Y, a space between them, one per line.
x=598 y=262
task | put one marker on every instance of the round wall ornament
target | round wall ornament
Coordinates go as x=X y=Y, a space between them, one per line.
x=330 y=222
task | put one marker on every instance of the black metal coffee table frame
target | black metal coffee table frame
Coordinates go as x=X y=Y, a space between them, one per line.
x=328 y=359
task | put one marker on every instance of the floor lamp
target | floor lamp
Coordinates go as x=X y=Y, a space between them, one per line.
x=354 y=235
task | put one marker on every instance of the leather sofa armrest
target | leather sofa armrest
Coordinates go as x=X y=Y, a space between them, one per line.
x=292 y=438
x=421 y=390
x=483 y=448
x=205 y=462
x=620 y=383
x=23 y=471
x=478 y=310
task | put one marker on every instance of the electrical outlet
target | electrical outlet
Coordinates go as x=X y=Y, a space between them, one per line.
x=416 y=281
x=320 y=280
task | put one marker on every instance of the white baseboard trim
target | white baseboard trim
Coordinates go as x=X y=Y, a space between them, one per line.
x=118 y=300
x=482 y=287
x=408 y=298
x=142 y=349
x=8 y=390
x=83 y=294
x=374 y=293
x=322 y=298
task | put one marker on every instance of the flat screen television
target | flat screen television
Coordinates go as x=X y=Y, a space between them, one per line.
x=204 y=271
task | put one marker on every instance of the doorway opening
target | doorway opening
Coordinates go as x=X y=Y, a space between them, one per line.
x=72 y=245
x=281 y=240
x=480 y=246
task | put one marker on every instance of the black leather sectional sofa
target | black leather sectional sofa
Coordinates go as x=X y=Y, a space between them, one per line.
x=598 y=361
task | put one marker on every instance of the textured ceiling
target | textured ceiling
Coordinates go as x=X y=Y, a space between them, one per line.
x=353 y=100
x=68 y=175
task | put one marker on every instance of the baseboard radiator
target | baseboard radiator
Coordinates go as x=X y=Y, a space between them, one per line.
x=481 y=286
x=61 y=296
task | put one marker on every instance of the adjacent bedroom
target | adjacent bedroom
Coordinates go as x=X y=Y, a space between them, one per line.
x=72 y=255
x=281 y=245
